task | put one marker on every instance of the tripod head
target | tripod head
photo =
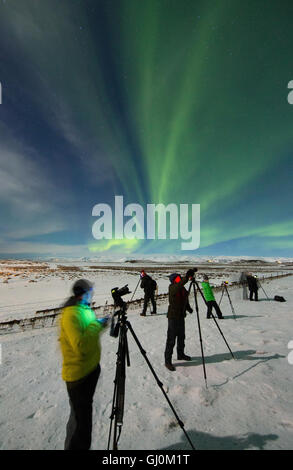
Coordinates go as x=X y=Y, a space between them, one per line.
x=117 y=295
x=190 y=274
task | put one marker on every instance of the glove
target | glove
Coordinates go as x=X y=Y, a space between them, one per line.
x=103 y=321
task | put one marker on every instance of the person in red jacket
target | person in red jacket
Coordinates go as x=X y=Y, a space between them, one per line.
x=178 y=304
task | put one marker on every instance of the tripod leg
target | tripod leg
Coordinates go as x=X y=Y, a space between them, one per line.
x=135 y=290
x=232 y=308
x=221 y=296
x=215 y=321
x=119 y=389
x=264 y=291
x=113 y=411
x=222 y=334
x=200 y=337
x=181 y=424
x=187 y=297
x=200 y=291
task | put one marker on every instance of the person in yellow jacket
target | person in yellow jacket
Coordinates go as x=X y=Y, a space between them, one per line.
x=81 y=350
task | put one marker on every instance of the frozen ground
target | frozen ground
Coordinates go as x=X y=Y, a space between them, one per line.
x=26 y=287
x=248 y=403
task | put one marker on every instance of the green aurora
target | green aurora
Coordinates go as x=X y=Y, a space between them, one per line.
x=169 y=102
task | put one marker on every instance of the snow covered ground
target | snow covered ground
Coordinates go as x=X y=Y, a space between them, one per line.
x=247 y=405
x=26 y=287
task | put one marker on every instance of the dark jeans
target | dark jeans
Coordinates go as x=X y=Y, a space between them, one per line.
x=211 y=304
x=79 y=426
x=149 y=297
x=251 y=292
x=176 y=329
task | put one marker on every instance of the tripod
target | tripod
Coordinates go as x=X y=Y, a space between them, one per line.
x=225 y=288
x=194 y=283
x=121 y=328
x=262 y=288
x=135 y=290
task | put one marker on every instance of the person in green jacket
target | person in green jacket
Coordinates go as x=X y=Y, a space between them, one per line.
x=81 y=350
x=210 y=298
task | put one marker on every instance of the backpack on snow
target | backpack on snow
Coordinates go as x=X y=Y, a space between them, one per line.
x=278 y=298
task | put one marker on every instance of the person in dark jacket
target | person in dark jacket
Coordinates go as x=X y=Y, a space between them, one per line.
x=253 y=287
x=178 y=304
x=149 y=286
x=210 y=298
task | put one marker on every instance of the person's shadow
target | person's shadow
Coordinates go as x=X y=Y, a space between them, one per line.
x=229 y=317
x=205 y=441
x=244 y=355
x=239 y=355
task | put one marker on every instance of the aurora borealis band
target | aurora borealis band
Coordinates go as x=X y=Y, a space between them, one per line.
x=161 y=101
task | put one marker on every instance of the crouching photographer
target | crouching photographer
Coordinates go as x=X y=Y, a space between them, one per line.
x=81 y=350
x=178 y=304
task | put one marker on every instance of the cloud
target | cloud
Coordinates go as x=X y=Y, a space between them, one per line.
x=41 y=249
x=29 y=200
x=22 y=183
x=64 y=92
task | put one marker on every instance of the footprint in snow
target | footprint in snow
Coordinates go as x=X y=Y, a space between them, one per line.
x=208 y=396
x=287 y=424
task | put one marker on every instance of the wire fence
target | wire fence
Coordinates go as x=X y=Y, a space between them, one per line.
x=49 y=317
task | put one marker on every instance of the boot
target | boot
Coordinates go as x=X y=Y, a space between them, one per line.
x=142 y=315
x=183 y=357
x=170 y=367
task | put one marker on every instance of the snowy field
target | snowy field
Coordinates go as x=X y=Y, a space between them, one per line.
x=247 y=405
x=26 y=287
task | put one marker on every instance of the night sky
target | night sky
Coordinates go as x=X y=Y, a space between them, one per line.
x=161 y=101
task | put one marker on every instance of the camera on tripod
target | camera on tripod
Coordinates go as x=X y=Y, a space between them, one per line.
x=191 y=272
x=117 y=295
x=123 y=359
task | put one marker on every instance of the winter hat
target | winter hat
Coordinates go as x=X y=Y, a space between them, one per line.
x=81 y=286
x=173 y=276
x=143 y=273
